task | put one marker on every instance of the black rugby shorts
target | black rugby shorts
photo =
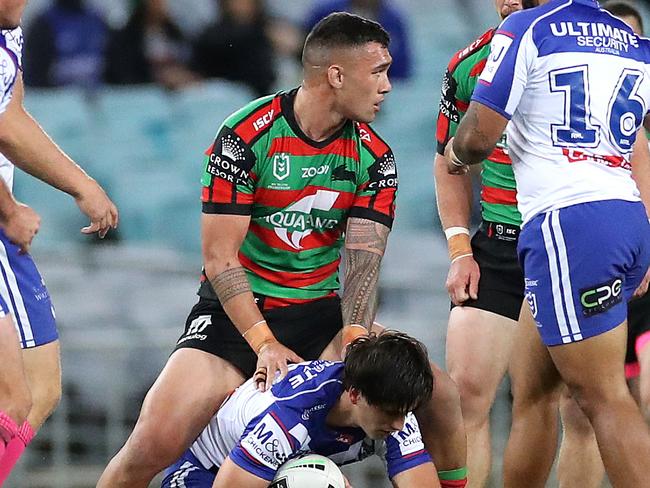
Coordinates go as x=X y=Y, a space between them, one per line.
x=306 y=329
x=501 y=285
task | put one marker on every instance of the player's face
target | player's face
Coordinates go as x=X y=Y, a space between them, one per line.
x=376 y=423
x=507 y=7
x=363 y=81
x=10 y=13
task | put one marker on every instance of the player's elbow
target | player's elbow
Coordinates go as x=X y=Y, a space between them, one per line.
x=471 y=148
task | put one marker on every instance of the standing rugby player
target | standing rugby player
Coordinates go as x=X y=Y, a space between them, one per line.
x=573 y=82
x=290 y=179
x=30 y=381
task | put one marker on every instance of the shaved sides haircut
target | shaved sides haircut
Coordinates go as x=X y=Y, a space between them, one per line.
x=341 y=30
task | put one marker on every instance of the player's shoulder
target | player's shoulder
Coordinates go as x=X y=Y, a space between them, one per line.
x=310 y=383
x=12 y=41
x=255 y=118
x=472 y=51
x=370 y=139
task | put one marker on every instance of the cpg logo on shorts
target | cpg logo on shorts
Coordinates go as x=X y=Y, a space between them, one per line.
x=600 y=298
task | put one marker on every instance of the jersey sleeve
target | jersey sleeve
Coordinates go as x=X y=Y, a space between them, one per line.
x=504 y=77
x=268 y=441
x=11 y=47
x=405 y=449
x=376 y=183
x=454 y=99
x=228 y=179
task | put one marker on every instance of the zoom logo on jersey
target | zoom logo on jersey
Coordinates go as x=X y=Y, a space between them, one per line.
x=599 y=298
x=311 y=172
x=267 y=443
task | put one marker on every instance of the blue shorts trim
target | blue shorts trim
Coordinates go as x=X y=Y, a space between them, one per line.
x=26 y=297
x=581 y=265
x=188 y=472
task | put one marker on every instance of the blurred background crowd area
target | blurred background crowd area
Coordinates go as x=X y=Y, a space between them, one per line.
x=135 y=90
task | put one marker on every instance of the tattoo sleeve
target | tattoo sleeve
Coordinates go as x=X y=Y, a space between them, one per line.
x=365 y=242
x=230 y=283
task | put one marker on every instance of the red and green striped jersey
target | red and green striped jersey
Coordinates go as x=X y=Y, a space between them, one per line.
x=298 y=193
x=498 y=193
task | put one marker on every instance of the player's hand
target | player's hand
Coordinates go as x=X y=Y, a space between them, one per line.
x=462 y=280
x=453 y=169
x=347 y=482
x=94 y=203
x=21 y=225
x=271 y=360
x=643 y=287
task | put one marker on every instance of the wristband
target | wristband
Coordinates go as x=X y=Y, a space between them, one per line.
x=453 y=478
x=259 y=336
x=454 y=159
x=351 y=332
x=454 y=231
x=459 y=246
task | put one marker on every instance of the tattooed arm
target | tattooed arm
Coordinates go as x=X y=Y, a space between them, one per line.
x=478 y=132
x=222 y=236
x=365 y=242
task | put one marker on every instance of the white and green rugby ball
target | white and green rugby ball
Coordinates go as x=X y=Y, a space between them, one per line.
x=310 y=471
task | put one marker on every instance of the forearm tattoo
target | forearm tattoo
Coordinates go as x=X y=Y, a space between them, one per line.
x=365 y=242
x=230 y=283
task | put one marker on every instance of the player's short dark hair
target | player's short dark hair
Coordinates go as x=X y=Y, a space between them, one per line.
x=342 y=30
x=623 y=9
x=391 y=370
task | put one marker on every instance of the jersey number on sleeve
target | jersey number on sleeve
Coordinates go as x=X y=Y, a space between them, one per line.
x=625 y=113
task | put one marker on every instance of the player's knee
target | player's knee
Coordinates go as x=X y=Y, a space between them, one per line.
x=45 y=397
x=19 y=405
x=475 y=397
x=574 y=420
x=155 y=443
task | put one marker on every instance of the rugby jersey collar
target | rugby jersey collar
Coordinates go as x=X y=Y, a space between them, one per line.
x=588 y=3
x=286 y=102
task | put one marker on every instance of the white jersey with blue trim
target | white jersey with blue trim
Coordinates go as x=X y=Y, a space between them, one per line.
x=11 y=50
x=575 y=83
x=260 y=431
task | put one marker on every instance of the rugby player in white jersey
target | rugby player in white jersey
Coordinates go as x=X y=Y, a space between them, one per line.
x=346 y=411
x=30 y=382
x=575 y=85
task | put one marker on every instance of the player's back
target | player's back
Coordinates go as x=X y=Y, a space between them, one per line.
x=580 y=92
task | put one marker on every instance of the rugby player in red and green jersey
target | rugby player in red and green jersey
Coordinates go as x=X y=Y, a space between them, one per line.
x=290 y=179
x=485 y=281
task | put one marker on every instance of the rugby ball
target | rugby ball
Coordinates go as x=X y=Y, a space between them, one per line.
x=310 y=471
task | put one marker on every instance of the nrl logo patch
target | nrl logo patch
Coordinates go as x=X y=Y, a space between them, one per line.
x=281 y=166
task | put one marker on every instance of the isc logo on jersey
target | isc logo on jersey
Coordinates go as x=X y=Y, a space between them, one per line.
x=267 y=443
x=409 y=438
x=498 y=49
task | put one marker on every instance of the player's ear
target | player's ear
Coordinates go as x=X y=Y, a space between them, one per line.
x=355 y=395
x=335 y=76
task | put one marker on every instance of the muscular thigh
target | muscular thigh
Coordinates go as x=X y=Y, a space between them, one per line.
x=43 y=372
x=188 y=391
x=479 y=345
